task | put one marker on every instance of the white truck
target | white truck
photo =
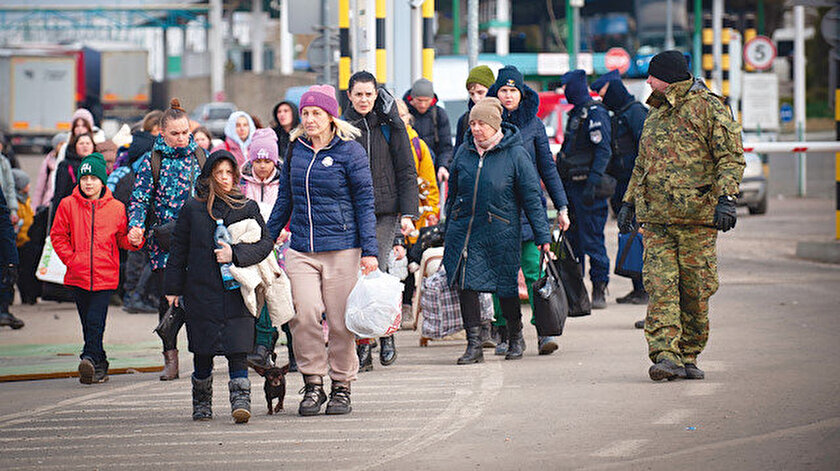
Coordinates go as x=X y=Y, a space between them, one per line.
x=117 y=83
x=37 y=95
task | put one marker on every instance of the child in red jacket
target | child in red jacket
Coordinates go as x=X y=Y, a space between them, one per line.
x=89 y=228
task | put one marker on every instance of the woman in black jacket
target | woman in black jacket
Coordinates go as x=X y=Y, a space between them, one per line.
x=218 y=323
x=286 y=118
x=66 y=178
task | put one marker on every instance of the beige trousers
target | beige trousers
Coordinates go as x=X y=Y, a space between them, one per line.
x=321 y=283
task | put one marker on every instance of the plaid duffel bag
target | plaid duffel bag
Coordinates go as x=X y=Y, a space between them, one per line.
x=441 y=309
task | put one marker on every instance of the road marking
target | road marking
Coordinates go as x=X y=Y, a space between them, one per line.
x=10 y=419
x=139 y=432
x=146 y=464
x=832 y=423
x=675 y=416
x=701 y=388
x=621 y=448
x=226 y=433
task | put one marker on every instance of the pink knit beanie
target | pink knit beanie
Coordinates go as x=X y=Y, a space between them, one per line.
x=322 y=96
x=263 y=145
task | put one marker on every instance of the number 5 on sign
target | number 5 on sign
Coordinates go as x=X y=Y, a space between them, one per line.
x=759 y=52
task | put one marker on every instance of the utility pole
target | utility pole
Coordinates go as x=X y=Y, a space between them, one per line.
x=472 y=33
x=286 y=40
x=257 y=36
x=217 y=52
x=456 y=27
x=697 y=55
x=799 y=90
x=503 y=28
x=717 y=46
x=669 y=25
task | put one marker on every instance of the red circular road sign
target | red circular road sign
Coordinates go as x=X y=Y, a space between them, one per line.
x=617 y=58
x=759 y=52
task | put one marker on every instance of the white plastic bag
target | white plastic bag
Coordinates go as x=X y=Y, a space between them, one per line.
x=50 y=267
x=374 y=307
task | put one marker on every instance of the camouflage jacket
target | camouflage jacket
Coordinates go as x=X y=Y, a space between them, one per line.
x=690 y=153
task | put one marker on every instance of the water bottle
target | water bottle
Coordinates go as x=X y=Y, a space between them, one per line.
x=222 y=235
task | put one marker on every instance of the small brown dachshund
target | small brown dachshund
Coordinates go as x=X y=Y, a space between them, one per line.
x=275 y=386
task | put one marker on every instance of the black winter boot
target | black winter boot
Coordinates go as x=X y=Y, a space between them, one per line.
x=202 y=398
x=365 y=357
x=260 y=358
x=9 y=319
x=666 y=369
x=474 y=353
x=516 y=344
x=387 y=350
x=240 y=399
x=692 y=372
x=313 y=396
x=339 y=399
x=87 y=370
x=599 y=301
x=486 y=335
x=502 y=342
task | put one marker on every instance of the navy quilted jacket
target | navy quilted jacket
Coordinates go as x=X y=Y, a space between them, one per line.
x=482 y=245
x=327 y=198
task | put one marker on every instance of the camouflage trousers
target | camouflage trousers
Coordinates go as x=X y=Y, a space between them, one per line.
x=680 y=275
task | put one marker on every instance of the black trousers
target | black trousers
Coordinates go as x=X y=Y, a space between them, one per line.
x=471 y=310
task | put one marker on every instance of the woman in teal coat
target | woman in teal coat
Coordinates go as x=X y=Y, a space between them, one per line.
x=492 y=178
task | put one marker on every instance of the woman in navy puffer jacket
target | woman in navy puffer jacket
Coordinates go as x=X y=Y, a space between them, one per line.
x=326 y=191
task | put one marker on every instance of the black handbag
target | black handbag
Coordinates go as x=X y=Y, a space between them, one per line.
x=171 y=322
x=606 y=187
x=551 y=307
x=571 y=274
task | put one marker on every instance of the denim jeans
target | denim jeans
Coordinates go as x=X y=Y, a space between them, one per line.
x=93 y=308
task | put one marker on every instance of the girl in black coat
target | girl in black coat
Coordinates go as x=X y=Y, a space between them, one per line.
x=218 y=323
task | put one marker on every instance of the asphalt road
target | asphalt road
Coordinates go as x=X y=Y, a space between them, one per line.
x=769 y=401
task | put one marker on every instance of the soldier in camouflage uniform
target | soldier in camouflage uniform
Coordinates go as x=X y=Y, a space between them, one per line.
x=682 y=192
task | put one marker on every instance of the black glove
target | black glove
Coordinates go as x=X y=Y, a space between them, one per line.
x=10 y=275
x=725 y=213
x=625 y=218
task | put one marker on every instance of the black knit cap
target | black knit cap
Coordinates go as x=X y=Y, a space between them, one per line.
x=669 y=66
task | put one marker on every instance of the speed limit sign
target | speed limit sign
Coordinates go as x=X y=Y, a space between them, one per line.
x=759 y=52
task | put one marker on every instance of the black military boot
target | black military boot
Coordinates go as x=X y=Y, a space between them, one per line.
x=516 y=344
x=202 y=398
x=339 y=399
x=634 y=297
x=474 y=353
x=599 y=301
x=387 y=350
x=313 y=396
x=666 y=369
x=240 y=399
x=692 y=372
x=363 y=350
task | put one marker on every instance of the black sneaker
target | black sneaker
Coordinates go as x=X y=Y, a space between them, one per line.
x=666 y=369
x=634 y=297
x=313 y=397
x=9 y=319
x=100 y=372
x=87 y=371
x=692 y=372
x=339 y=400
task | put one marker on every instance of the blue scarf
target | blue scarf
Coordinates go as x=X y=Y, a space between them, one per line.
x=174 y=152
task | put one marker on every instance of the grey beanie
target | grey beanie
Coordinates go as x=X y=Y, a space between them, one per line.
x=21 y=179
x=423 y=87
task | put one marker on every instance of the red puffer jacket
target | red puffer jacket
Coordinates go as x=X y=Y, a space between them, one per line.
x=87 y=235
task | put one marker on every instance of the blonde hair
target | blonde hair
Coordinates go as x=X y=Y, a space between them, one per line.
x=402 y=108
x=344 y=130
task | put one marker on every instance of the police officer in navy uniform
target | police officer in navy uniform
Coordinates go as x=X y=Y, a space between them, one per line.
x=582 y=165
x=628 y=118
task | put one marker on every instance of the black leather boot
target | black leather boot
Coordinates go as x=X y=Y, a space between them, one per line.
x=387 y=350
x=339 y=399
x=202 y=398
x=516 y=344
x=474 y=353
x=599 y=300
x=365 y=358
